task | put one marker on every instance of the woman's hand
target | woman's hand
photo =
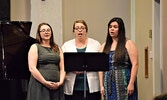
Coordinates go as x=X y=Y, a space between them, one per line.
x=78 y=72
x=130 y=89
x=102 y=90
x=49 y=84
x=56 y=85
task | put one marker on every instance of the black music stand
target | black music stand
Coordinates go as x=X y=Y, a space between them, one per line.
x=86 y=62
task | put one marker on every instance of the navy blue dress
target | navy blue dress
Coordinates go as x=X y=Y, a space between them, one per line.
x=117 y=79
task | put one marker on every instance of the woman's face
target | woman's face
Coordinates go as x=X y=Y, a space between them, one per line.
x=113 y=29
x=45 y=32
x=80 y=30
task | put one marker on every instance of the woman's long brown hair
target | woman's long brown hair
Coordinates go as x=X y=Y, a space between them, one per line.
x=53 y=45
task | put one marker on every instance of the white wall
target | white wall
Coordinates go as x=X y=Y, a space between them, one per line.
x=49 y=11
x=157 y=81
x=159 y=46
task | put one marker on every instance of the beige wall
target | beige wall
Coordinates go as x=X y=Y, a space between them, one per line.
x=20 y=10
x=163 y=4
x=143 y=23
x=97 y=14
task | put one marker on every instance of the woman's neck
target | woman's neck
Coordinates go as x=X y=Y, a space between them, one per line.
x=114 y=44
x=115 y=39
x=81 y=43
x=45 y=43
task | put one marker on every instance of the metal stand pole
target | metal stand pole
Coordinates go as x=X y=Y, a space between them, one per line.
x=3 y=53
x=84 y=84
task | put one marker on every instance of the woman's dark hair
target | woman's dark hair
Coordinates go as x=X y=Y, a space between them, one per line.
x=161 y=97
x=80 y=21
x=120 y=49
x=53 y=45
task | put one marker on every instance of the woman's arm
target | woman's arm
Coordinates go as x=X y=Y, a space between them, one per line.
x=101 y=82
x=61 y=64
x=101 y=74
x=133 y=54
x=32 y=62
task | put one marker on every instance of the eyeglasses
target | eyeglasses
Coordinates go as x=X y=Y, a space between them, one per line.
x=80 y=29
x=45 y=31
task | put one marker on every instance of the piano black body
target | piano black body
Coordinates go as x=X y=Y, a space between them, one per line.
x=14 y=46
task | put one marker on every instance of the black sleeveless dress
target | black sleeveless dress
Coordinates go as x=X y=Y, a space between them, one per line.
x=48 y=66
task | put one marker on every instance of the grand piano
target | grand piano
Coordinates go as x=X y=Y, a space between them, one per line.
x=15 y=42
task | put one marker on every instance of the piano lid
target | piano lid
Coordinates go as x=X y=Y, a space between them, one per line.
x=15 y=44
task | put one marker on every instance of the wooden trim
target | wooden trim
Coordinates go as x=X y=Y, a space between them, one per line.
x=146 y=61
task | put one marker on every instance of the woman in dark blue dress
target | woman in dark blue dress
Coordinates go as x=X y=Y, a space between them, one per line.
x=119 y=83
